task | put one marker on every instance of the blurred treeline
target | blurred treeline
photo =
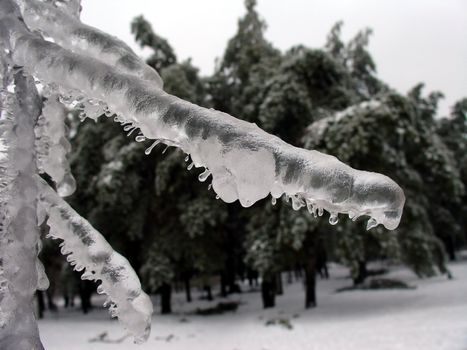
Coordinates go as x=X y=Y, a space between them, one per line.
x=177 y=235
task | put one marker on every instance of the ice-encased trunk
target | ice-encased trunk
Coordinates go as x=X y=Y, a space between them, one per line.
x=21 y=274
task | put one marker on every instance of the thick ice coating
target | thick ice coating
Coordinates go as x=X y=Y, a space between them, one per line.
x=88 y=250
x=52 y=146
x=246 y=163
x=68 y=31
x=21 y=274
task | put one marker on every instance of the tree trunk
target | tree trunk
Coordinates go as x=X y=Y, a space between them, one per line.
x=362 y=273
x=19 y=236
x=450 y=248
x=310 y=282
x=223 y=285
x=208 y=290
x=310 y=250
x=166 y=299
x=50 y=300
x=268 y=292
x=279 y=285
x=187 y=289
x=40 y=304
x=85 y=292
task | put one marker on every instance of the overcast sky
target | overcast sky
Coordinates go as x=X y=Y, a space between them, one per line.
x=413 y=41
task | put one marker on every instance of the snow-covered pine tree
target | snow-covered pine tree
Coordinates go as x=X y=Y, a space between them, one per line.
x=84 y=68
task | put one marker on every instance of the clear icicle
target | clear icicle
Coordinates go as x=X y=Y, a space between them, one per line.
x=320 y=211
x=150 y=148
x=131 y=131
x=204 y=175
x=371 y=224
x=333 y=218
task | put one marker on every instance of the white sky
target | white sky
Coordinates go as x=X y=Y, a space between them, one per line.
x=413 y=40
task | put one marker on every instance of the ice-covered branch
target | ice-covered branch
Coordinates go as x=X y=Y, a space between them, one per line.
x=88 y=250
x=70 y=33
x=246 y=163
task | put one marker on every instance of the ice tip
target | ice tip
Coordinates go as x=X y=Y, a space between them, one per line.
x=381 y=198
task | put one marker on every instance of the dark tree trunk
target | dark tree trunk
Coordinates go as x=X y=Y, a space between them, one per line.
x=322 y=260
x=40 y=304
x=166 y=299
x=66 y=300
x=85 y=292
x=311 y=248
x=268 y=292
x=187 y=289
x=50 y=300
x=279 y=285
x=223 y=285
x=252 y=278
x=310 y=282
x=298 y=272
x=450 y=248
x=362 y=273
x=230 y=275
x=208 y=290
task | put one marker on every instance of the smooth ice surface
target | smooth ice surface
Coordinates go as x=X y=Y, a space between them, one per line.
x=86 y=249
x=246 y=163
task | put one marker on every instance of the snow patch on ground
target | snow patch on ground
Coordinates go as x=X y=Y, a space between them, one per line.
x=432 y=316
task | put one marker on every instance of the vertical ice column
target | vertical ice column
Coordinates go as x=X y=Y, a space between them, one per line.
x=19 y=235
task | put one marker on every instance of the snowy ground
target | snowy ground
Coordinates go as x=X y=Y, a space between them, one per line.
x=432 y=316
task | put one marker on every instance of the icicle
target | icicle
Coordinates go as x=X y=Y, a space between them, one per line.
x=187 y=158
x=209 y=187
x=371 y=224
x=128 y=127
x=190 y=166
x=140 y=138
x=204 y=175
x=165 y=149
x=311 y=208
x=333 y=218
x=131 y=131
x=273 y=200
x=297 y=203
x=150 y=148
x=320 y=211
x=217 y=197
